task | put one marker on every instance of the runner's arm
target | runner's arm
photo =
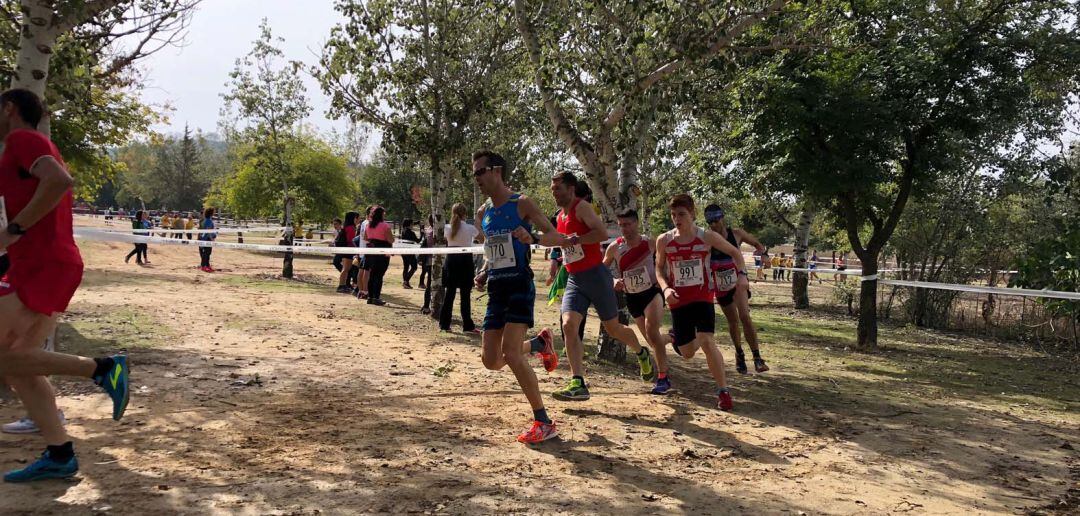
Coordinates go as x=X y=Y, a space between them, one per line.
x=609 y=255
x=528 y=210
x=661 y=265
x=597 y=230
x=479 y=225
x=54 y=182
x=743 y=236
x=715 y=240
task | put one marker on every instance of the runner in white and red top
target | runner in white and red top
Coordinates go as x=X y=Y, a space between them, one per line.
x=46 y=269
x=588 y=282
x=683 y=272
x=634 y=256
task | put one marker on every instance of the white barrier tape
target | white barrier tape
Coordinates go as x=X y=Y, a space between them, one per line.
x=152 y=231
x=110 y=236
x=1007 y=291
x=1024 y=292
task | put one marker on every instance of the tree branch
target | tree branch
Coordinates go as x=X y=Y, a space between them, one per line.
x=724 y=41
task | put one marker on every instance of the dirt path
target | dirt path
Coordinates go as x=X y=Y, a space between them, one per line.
x=262 y=396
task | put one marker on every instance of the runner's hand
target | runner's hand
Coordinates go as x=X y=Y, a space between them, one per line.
x=671 y=296
x=619 y=285
x=522 y=235
x=742 y=282
x=481 y=279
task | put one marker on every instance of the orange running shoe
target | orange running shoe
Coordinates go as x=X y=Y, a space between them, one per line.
x=538 y=433
x=548 y=355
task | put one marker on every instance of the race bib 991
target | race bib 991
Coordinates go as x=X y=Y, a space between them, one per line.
x=689 y=273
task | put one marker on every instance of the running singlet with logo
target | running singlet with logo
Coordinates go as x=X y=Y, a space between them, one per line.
x=723 y=266
x=636 y=265
x=687 y=267
x=580 y=257
x=507 y=257
x=51 y=238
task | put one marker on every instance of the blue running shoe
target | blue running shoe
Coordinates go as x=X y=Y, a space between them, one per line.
x=42 y=469
x=115 y=383
x=663 y=385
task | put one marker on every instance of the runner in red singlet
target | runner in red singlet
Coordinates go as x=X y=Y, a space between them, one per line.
x=634 y=255
x=46 y=269
x=589 y=282
x=682 y=270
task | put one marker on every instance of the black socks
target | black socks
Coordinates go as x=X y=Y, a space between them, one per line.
x=538 y=414
x=62 y=453
x=104 y=365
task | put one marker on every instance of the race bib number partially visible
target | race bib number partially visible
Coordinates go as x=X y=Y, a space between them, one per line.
x=689 y=273
x=637 y=280
x=573 y=253
x=499 y=251
x=726 y=279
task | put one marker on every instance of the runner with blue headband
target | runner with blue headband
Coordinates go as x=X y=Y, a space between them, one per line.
x=734 y=301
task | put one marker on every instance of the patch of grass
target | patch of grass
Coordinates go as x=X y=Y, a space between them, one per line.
x=913 y=362
x=273 y=283
x=95 y=334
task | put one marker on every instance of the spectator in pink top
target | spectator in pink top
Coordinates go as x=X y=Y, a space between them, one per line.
x=378 y=235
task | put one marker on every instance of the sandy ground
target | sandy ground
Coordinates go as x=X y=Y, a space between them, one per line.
x=255 y=395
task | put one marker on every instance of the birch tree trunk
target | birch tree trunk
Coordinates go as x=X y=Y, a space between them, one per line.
x=438 y=181
x=39 y=33
x=800 y=280
x=287 y=239
x=42 y=22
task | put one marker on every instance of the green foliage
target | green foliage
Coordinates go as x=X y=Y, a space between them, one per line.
x=429 y=76
x=390 y=183
x=318 y=180
x=93 y=111
x=168 y=172
x=913 y=92
x=1053 y=259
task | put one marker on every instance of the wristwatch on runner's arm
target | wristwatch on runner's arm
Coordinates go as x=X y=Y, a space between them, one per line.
x=15 y=229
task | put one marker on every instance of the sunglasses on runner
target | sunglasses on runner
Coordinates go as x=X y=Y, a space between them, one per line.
x=480 y=171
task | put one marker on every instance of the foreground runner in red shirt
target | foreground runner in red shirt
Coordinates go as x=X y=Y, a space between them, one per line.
x=46 y=269
x=682 y=270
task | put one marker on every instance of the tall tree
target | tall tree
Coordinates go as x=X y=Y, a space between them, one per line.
x=42 y=23
x=910 y=93
x=599 y=68
x=422 y=71
x=270 y=102
x=81 y=57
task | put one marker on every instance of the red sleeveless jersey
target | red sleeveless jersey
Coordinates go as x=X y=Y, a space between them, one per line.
x=688 y=268
x=580 y=257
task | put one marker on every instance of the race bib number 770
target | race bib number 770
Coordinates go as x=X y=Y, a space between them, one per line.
x=499 y=250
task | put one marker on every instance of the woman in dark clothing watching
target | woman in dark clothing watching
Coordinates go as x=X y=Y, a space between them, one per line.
x=408 y=261
x=343 y=262
x=139 y=223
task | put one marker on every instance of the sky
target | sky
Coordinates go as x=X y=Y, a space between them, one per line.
x=192 y=78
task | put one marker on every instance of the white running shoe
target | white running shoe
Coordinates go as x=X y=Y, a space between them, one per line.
x=27 y=425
